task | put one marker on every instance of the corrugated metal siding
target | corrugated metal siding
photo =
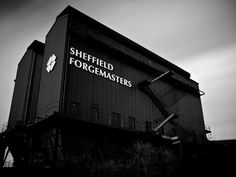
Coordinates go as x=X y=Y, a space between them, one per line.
x=191 y=117
x=21 y=90
x=86 y=88
x=186 y=106
x=131 y=102
x=50 y=87
x=24 y=101
x=85 y=30
x=35 y=84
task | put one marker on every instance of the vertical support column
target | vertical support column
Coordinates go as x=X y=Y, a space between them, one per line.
x=56 y=146
x=3 y=155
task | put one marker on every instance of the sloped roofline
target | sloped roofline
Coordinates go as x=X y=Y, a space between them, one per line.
x=37 y=45
x=124 y=40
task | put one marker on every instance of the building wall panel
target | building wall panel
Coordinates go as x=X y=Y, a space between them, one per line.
x=34 y=88
x=51 y=83
x=84 y=89
x=21 y=90
x=111 y=96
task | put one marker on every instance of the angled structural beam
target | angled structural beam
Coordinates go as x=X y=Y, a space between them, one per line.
x=6 y=155
x=164 y=122
x=167 y=73
x=155 y=100
x=176 y=142
x=147 y=82
x=173 y=138
x=144 y=86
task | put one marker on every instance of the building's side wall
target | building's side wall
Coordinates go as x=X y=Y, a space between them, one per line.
x=191 y=119
x=51 y=83
x=190 y=122
x=25 y=95
x=21 y=90
x=85 y=91
x=88 y=89
x=34 y=88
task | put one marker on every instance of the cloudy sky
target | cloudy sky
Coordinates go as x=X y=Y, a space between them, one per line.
x=197 y=35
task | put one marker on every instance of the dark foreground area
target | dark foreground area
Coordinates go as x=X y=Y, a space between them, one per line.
x=217 y=160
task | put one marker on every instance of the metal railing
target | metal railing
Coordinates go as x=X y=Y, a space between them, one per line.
x=91 y=114
x=79 y=112
x=48 y=110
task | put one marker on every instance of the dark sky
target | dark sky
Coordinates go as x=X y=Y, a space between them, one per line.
x=198 y=35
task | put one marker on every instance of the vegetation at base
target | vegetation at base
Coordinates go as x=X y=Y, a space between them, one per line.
x=143 y=160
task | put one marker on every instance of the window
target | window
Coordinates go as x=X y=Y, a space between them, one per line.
x=131 y=123
x=148 y=125
x=116 y=120
x=73 y=108
x=94 y=114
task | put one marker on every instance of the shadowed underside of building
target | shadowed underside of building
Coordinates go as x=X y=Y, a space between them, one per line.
x=89 y=90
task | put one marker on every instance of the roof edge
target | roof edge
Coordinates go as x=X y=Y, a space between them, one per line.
x=37 y=46
x=122 y=39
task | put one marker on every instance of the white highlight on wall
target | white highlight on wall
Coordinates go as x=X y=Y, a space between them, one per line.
x=51 y=63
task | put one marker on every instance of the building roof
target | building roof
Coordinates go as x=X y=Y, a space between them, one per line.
x=122 y=39
x=37 y=45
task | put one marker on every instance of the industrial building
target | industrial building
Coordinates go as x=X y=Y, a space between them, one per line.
x=89 y=89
